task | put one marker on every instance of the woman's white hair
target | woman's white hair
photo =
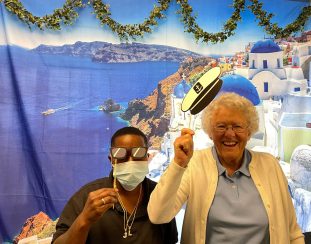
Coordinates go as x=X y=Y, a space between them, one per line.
x=232 y=101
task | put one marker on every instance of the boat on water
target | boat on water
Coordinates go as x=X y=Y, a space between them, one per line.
x=49 y=111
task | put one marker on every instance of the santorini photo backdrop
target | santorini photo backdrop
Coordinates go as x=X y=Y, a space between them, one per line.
x=65 y=92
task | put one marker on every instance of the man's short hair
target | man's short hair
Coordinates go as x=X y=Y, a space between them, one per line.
x=128 y=131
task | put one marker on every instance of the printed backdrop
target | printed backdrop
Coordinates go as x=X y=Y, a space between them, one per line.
x=64 y=93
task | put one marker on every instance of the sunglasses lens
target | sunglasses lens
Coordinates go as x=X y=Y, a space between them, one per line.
x=118 y=152
x=139 y=152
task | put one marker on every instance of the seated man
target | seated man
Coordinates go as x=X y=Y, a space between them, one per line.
x=114 y=209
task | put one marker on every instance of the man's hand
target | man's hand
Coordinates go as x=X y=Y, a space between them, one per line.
x=183 y=147
x=97 y=203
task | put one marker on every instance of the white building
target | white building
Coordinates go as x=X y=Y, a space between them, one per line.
x=180 y=119
x=301 y=56
x=267 y=73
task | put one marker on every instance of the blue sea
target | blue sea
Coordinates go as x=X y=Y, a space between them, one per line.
x=59 y=152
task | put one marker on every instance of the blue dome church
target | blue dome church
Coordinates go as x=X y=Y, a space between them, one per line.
x=241 y=86
x=267 y=73
x=181 y=89
x=267 y=46
x=180 y=119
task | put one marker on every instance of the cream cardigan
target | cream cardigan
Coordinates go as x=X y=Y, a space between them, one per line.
x=197 y=184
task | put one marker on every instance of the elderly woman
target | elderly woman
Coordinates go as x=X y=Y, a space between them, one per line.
x=232 y=194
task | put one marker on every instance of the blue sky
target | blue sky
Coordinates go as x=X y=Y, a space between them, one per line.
x=211 y=16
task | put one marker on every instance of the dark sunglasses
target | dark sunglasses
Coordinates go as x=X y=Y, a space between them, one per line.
x=134 y=152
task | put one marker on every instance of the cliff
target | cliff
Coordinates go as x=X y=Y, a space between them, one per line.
x=39 y=224
x=78 y=49
x=105 y=52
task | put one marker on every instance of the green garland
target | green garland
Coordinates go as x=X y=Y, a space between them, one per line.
x=199 y=33
x=273 y=29
x=129 y=31
x=68 y=14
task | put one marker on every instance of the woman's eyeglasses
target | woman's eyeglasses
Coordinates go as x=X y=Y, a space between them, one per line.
x=134 y=152
x=222 y=128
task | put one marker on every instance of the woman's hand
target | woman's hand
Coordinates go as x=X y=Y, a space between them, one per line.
x=183 y=147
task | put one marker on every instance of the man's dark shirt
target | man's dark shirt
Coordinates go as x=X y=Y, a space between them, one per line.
x=109 y=228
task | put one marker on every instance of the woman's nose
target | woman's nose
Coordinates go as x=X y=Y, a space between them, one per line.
x=229 y=130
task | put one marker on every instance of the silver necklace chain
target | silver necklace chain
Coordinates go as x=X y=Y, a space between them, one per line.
x=126 y=220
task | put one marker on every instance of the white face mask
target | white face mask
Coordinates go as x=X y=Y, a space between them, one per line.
x=131 y=173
